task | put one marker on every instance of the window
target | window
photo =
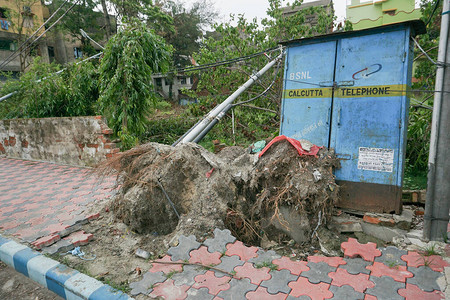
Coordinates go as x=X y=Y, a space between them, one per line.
x=390 y=12
x=3 y=13
x=183 y=80
x=77 y=53
x=51 y=54
x=158 y=82
x=28 y=21
x=7 y=45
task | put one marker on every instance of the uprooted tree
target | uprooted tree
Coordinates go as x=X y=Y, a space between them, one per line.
x=189 y=190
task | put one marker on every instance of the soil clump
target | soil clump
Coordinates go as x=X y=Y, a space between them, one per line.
x=188 y=190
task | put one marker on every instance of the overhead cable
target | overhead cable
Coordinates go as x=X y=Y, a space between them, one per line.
x=34 y=33
x=50 y=27
x=437 y=63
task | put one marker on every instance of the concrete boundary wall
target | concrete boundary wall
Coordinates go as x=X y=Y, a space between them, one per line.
x=79 y=141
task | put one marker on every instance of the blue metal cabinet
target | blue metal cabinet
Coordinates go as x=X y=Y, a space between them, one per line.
x=307 y=105
x=354 y=100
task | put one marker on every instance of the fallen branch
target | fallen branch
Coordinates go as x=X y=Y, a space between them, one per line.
x=194 y=264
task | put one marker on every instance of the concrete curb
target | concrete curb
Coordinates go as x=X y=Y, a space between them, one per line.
x=64 y=281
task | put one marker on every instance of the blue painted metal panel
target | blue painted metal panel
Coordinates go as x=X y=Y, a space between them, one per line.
x=306 y=105
x=367 y=117
x=361 y=111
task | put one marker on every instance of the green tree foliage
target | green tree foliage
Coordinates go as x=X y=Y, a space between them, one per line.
x=82 y=16
x=41 y=93
x=419 y=129
x=189 y=24
x=248 y=37
x=126 y=90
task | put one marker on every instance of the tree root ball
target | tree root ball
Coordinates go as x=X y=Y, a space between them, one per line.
x=188 y=190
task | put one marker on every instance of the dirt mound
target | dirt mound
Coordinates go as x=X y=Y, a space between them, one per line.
x=188 y=190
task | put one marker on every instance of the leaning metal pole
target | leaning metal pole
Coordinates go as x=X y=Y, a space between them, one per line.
x=198 y=129
x=438 y=191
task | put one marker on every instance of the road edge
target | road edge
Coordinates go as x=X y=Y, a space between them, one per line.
x=58 y=278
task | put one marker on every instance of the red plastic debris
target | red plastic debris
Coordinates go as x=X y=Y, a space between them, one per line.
x=297 y=145
x=209 y=173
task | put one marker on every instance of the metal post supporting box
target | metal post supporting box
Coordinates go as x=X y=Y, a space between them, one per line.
x=347 y=91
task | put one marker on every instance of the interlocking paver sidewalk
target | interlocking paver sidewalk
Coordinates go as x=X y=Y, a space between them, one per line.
x=237 y=273
x=38 y=200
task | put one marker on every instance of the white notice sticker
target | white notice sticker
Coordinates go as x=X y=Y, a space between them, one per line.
x=376 y=159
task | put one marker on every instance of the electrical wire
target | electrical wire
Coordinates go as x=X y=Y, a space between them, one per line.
x=220 y=63
x=304 y=82
x=34 y=33
x=50 y=27
x=437 y=63
x=432 y=14
x=265 y=91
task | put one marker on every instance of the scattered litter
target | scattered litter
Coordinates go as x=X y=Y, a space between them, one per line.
x=77 y=252
x=142 y=254
x=257 y=147
x=209 y=173
x=317 y=175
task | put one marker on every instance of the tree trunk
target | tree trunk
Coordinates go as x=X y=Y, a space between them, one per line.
x=107 y=20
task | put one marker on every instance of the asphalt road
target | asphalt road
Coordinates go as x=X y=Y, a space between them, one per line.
x=14 y=285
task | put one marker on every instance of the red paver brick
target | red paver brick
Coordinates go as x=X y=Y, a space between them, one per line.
x=295 y=267
x=398 y=273
x=255 y=275
x=65 y=217
x=261 y=293
x=244 y=252
x=93 y=216
x=413 y=292
x=79 y=238
x=315 y=291
x=168 y=290
x=370 y=297
x=10 y=225
x=352 y=248
x=202 y=256
x=165 y=268
x=416 y=259
x=212 y=283
x=359 y=282
x=46 y=241
x=55 y=228
x=331 y=261
x=36 y=221
x=27 y=232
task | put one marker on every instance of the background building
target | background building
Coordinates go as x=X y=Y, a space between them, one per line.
x=370 y=13
x=19 y=19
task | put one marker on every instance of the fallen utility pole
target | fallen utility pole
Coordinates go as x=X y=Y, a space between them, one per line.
x=437 y=205
x=200 y=128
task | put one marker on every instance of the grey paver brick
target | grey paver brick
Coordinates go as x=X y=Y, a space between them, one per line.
x=425 y=278
x=228 y=264
x=356 y=266
x=60 y=246
x=220 y=240
x=303 y=297
x=188 y=275
x=145 y=285
x=345 y=292
x=318 y=272
x=199 y=294
x=279 y=281
x=385 y=288
x=391 y=256
x=185 y=245
x=238 y=289
x=264 y=257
